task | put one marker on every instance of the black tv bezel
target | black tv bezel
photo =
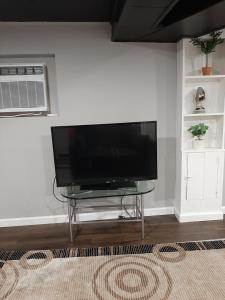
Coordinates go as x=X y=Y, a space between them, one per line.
x=105 y=179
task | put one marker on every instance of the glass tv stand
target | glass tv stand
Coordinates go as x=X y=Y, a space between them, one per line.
x=77 y=202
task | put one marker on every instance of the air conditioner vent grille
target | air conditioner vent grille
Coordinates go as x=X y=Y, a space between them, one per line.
x=22 y=95
x=21 y=70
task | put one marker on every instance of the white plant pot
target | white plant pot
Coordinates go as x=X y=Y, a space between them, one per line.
x=198 y=144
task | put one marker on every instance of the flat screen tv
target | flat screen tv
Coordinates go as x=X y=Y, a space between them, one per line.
x=94 y=154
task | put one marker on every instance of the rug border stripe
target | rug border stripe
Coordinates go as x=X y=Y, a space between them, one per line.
x=117 y=250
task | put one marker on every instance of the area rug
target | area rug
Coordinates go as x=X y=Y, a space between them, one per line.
x=179 y=271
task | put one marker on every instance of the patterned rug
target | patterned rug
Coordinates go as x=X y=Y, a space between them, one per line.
x=180 y=271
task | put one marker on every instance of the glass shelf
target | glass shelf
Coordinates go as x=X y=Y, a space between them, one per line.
x=140 y=188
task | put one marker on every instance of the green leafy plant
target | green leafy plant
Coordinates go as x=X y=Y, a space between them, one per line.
x=208 y=45
x=198 y=130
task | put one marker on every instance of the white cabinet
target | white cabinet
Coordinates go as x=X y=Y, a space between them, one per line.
x=202 y=183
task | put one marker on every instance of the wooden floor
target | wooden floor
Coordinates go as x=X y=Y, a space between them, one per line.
x=158 y=229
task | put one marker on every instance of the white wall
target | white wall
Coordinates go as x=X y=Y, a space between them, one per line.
x=98 y=82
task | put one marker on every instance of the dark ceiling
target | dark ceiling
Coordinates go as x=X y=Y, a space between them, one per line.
x=56 y=11
x=132 y=20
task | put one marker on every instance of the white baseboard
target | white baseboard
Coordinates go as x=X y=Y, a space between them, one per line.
x=33 y=221
x=159 y=211
x=196 y=217
x=81 y=217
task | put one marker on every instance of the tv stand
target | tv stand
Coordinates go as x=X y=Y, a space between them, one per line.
x=76 y=197
x=108 y=185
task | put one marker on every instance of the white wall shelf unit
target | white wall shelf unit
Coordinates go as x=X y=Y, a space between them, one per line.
x=199 y=180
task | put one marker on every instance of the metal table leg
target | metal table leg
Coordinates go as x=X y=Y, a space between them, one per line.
x=142 y=218
x=75 y=211
x=136 y=208
x=70 y=221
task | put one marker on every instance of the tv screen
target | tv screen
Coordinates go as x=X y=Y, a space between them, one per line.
x=90 y=154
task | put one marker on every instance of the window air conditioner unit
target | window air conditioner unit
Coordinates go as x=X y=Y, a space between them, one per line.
x=23 y=88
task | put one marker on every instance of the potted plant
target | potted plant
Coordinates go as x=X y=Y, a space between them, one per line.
x=198 y=131
x=207 y=46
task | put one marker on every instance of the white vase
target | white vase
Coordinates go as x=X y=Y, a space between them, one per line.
x=198 y=144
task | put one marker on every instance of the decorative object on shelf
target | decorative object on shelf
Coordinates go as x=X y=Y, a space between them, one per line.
x=199 y=100
x=198 y=131
x=207 y=46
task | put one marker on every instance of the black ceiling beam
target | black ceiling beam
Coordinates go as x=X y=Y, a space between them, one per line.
x=203 y=22
x=166 y=20
x=139 y=17
x=184 y=9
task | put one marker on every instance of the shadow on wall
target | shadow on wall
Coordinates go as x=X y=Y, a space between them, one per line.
x=53 y=206
x=165 y=186
x=166 y=119
x=48 y=163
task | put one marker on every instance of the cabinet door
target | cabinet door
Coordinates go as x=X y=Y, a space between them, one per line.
x=195 y=178
x=212 y=164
